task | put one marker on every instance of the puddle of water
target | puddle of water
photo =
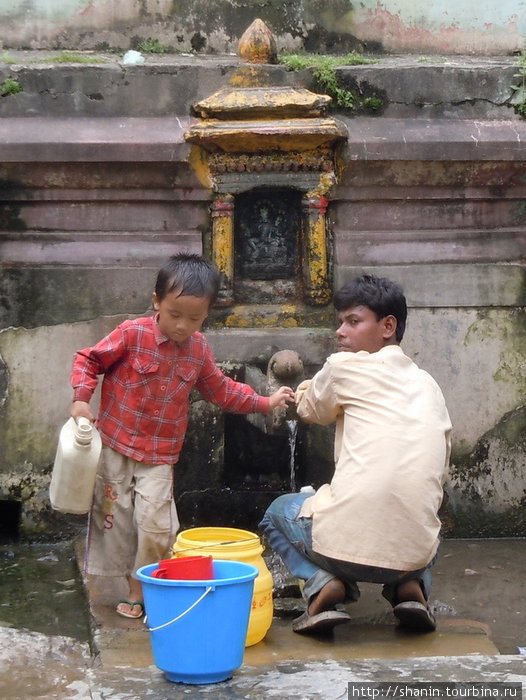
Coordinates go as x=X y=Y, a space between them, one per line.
x=42 y=590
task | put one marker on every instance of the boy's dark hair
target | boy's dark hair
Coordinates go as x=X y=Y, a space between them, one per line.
x=381 y=295
x=189 y=275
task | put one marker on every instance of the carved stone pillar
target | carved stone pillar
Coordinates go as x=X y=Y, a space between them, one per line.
x=315 y=259
x=223 y=246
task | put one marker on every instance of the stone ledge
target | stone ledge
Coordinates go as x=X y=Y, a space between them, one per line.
x=413 y=247
x=451 y=285
x=121 y=139
x=101 y=249
x=161 y=139
x=434 y=139
x=251 y=344
x=457 y=87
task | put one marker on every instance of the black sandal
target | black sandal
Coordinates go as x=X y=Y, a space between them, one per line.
x=415 y=616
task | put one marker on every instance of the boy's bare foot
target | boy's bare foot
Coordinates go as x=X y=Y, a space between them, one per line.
x=132 y=606
x=320 y=615
x=411 y=609
x=328 y=597
x=134 y=609
x=410 y=590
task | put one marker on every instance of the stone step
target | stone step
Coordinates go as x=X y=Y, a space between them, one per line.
x=371 y=633
x=472 y=620
x=130 y=644
x=464 y=87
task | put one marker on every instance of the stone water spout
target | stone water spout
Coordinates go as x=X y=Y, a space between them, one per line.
x=285 y=367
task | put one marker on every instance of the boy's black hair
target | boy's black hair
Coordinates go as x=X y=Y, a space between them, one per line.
x=189 y=275
x=381 y=295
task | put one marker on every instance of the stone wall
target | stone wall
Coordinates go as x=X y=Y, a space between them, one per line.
x=442 y=212
x=205 y=26
x=89 y=207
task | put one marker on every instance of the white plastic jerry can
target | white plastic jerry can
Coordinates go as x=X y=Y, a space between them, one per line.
x=75 y=467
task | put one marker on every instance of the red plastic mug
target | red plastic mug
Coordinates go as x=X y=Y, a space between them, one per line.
x=185 y=568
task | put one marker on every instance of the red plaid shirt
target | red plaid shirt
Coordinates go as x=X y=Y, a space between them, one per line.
x=146 y=388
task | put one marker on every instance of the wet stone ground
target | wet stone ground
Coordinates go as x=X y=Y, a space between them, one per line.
x=478 y=594
x=41 y=590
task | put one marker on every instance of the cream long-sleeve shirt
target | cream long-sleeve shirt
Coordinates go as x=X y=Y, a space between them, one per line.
x=392 y=447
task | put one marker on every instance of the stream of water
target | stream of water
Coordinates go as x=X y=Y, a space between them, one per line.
x=293 y=434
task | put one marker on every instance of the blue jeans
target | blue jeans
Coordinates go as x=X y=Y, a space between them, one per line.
x=291 y=537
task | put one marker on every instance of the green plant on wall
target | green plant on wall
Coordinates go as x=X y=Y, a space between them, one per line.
x=62 y=57
x=519 y=97
x=324 y=70
x=10 y=87
x=151 y=46
x=6 y=58
x=72 y=57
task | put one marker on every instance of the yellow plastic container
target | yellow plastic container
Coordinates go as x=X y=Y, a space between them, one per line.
x=235 y=545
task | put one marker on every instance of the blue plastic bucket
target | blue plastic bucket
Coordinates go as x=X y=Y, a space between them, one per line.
x=198 y=628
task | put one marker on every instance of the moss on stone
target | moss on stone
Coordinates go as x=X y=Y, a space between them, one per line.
x=351 y=100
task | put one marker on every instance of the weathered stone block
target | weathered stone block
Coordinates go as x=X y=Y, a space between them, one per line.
x=452 y=285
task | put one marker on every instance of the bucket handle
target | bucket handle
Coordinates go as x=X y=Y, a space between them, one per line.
x=166 y=624
x=213 y=545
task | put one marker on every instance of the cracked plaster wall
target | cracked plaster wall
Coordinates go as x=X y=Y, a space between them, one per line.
x=475 y=355
x=35 y=401
x=215 y=27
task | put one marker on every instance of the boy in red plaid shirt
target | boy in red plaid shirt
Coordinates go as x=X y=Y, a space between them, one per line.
x=150 y=365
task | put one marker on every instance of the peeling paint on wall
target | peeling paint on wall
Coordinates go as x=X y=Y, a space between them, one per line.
x=487 y=489
x=466 y=350
x=215 y=27
x=4 y=382
x=468 y=15
x=449 y=34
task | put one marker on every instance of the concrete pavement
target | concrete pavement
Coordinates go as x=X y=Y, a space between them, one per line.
x=478 y=597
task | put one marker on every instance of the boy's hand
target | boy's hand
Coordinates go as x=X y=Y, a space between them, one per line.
x=281 y=398
x=81 y=409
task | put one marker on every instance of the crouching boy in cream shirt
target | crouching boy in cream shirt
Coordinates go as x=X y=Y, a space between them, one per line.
x=377 y=520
